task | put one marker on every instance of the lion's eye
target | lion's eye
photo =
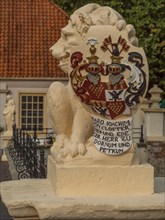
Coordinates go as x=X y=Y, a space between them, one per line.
x=64 y=36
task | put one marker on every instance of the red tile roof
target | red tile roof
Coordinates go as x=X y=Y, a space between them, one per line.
x=28 y=28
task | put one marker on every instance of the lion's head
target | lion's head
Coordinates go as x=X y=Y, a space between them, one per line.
x=79 y=24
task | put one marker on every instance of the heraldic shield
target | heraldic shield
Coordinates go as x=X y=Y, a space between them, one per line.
x=107 y=73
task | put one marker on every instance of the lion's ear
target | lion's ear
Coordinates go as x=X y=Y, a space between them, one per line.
x=121 y=24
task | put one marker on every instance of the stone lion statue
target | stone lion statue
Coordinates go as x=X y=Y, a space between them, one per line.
x=71 y=122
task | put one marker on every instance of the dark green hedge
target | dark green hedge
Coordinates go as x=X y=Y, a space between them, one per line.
x=148 y=18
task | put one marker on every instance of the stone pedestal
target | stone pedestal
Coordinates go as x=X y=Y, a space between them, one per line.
x=155 y=124
x=6 y=137
x=34 y=199
x=100 y=180
x=155 y=96
x=88 y=189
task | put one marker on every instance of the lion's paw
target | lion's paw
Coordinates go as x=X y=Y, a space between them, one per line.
x=77 y=148
x=73 y=148
x=54 y=150
x=74 y=151
x=64 y=152
x=59 y=148
x=59 y=159
x=82 y=149
x=60 y=140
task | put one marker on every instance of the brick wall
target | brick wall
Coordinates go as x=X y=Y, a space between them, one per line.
x=156 y=156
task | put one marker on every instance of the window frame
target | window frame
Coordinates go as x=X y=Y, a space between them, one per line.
x=44 y=116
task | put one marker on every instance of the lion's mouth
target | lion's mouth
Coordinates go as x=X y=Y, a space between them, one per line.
x=63 y=64
x=64 y=56
x=64 y=60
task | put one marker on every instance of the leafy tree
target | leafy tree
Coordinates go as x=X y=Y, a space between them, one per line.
x=148 y=18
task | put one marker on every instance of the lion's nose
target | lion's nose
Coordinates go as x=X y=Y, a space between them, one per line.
x=54 y=51
x=51 y=49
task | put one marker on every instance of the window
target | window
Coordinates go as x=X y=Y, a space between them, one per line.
x=32 y=111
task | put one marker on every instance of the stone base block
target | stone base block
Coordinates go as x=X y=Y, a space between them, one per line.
x=34 y=199
x=6 y=137
x=100 y=180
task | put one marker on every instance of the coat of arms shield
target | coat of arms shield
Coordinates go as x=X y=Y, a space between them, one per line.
x=108 y=73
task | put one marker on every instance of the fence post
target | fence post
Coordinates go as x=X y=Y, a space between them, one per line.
x=14 y=134
x=35 y=162
x=21 y=143
x=27 y=149
x=35 y=133
x=29 y=156
x=42 y=163
x=34 y=152
x=23 y=148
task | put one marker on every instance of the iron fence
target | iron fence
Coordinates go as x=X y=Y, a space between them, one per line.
x=28 y=154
